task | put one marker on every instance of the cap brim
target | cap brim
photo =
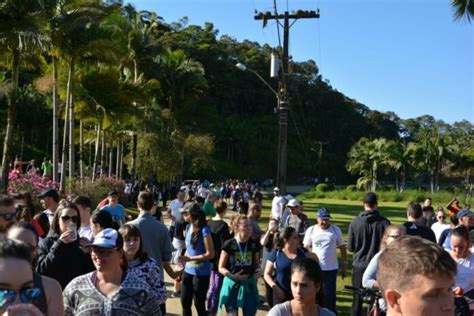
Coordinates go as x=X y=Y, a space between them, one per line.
x=103 y=246
x=324 y=217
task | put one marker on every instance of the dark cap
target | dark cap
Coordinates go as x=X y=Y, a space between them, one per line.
x=113 y=193
x=49 y=193
x=370 y=198
x=463 y=213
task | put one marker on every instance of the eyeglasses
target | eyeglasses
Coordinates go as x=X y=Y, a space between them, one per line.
x=441 y=217
x=66 y=218
x=27 y=295
x=8 y=217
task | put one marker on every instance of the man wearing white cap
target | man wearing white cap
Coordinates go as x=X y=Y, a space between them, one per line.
x=323 y=239
x=109 y=290
x=296 y=219
x=278 y=203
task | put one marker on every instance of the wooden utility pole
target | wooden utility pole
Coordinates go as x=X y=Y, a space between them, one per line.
x=283 y=95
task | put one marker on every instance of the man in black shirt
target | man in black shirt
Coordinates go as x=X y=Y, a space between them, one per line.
x=413 y=226
x=365 y=233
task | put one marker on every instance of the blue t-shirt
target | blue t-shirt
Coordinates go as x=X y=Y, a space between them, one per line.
x=282 y=266
x=117 y=212
x=202 y=268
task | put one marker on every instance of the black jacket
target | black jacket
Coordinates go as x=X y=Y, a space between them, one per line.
x=365 y=234
x=62 y=262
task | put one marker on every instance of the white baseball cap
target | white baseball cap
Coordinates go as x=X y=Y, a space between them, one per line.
x=293 y=203
x=276 y=189
x=106 y=238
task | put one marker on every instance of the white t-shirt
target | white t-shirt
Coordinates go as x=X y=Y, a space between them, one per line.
x=465 y=276
x=174 y=206
x=324 y=243
x=203 y=192
x=277 y=206
x=86 y=231
x=438 y=228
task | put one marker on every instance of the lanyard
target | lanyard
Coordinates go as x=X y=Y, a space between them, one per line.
x=244 y=253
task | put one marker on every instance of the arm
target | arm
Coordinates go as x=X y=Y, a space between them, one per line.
x=209 y=254
x=54 y=296
x=264 y=239
x=48 y=258
x=369 y=280
x=343 y=250
x=351 y=237
x=267 y=274
x=169 y=270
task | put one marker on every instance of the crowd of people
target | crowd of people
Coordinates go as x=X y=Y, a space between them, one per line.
x=75 y=258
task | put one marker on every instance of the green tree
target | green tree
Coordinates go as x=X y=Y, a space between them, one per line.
x=20 y=33
x=463 y=9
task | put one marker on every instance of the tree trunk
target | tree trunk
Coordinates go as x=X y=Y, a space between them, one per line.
x=96 y=152
x=70 y=88
x=102 y=154
x=432 y=181
x=121 y=159
x=117 y=165
x=111 y=158
x=81 y=153
x=134 y=156
x=396 y=181
x=55 y=156
x=64 y=151
x=11 y=117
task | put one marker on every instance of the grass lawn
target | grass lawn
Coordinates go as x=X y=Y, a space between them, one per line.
x=342 y=213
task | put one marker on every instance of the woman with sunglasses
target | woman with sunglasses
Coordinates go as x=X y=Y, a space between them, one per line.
x=50 y=299
x=61 y=255
x=17 y=292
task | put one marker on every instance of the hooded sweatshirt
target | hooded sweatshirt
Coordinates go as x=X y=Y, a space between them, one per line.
x=365 y=234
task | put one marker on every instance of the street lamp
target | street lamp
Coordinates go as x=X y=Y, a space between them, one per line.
x=282 y=107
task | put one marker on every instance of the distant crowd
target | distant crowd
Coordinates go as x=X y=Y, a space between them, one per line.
x=75 y=258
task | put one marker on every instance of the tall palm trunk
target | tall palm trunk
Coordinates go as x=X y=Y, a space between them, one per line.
x=70 y=93
x=64 y=151
x=117 y=164
x=55 y=121
x=96 y=152
x=102 y=154
x=121 y=160
x=81 y=153
x=11 y=117
x=135 y=131
x=111 y=158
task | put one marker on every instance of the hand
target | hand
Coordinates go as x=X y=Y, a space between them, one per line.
x=344 y=271
x=240 y=276
x=176 y=274
x=68 y=236
x=23 y=309
x=278 y=292
x=183 y=259
x=82 y=243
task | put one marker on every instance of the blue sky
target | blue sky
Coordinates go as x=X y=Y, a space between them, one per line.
x=408 y=57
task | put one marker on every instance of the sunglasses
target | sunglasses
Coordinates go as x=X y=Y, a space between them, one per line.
x=66 y=218
x=8 y=217
x=28 y=295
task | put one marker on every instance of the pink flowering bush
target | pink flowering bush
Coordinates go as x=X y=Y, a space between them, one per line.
x=20 y=183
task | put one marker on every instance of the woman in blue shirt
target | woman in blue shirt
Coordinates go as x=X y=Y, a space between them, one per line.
x=199 y=252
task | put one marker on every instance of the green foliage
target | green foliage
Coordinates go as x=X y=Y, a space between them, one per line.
x=324 y=187
x=351 y=188
x=98 y=189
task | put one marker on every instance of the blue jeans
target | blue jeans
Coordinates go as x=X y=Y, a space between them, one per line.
x=330 y=278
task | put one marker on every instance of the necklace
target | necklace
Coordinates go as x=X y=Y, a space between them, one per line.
x=243 y=254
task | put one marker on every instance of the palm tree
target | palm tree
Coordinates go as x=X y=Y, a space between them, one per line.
x=20 y=33
x=463 y=9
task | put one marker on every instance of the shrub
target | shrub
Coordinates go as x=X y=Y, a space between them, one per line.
x=99 y=189
x=34 y=184
x=324 y=187
x=351 y=188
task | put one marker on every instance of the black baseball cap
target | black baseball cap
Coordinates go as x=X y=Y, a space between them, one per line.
x=370 y=198
x=49 y=193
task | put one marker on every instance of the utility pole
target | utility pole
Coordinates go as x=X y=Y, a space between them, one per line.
x=283 y=95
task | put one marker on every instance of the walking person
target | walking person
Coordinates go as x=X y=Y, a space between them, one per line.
x=239 y=264
x=197 y=269
x=365 y=234
x=220 y=234
x=110 y=289
x=324 y=239
x=306 y=289
x=141 y=265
